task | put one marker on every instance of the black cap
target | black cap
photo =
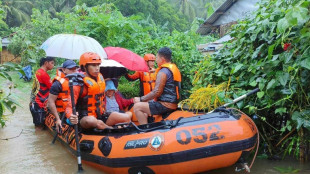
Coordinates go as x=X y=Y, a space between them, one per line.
x=69 y=64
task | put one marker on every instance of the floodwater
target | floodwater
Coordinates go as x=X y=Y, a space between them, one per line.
x=31 y=151
x=25 y=150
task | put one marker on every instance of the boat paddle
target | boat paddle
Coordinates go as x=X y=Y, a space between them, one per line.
x=236 y=100
x=56 y=135
x=71 y=77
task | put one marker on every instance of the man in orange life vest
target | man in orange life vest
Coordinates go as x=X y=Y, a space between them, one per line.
x=166 y=92
x=90 y=103
x=147 y=79
x=58 y=97
x=40 y=90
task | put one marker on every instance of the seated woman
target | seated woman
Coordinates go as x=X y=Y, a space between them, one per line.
x=114 y=102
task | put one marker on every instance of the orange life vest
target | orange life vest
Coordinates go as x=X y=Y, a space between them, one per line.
x=177 y=83
x=148 y=81
x=62 y=98
x=95 y=95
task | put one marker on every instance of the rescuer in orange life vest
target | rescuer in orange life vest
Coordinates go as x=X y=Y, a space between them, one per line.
x=147 y=79
x=58 y=97
x=163 y=99
x=90 y=103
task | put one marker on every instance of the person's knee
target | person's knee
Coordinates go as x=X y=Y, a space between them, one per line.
x=125 y=117
x=89 y=122
x=129 y=114
x=137 y=107
x=128 y=118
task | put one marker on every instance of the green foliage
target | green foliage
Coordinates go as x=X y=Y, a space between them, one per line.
x=27 y=39
x=290 y=146
x=110 y=28
x=270 y=51
x=60 y=6
x=18 y=12
x=196 y=8
x=7 y=102
x=129 y=89
x=256 y=57
x=302 y=119
x=4 y=29
x=90 y=3
x=159 y=10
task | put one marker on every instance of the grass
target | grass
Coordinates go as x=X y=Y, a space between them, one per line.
x=20 y=89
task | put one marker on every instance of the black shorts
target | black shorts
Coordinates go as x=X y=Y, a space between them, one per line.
x=38 y=114
x=158 y=109
x=104 y=117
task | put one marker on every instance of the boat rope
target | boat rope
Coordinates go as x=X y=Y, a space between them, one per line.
x=13 y=137
x=257 y=145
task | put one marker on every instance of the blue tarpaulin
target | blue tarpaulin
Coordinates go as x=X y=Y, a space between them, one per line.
x=28 y=73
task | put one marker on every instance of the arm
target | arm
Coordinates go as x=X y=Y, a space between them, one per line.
x=51 y=104
x=160 y=83
x=132 y=77
x=122 y=102
x=46 y=80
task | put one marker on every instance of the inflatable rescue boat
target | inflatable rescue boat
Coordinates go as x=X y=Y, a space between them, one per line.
x=184 y=142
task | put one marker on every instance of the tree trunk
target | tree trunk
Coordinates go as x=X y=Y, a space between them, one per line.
x=301 y=146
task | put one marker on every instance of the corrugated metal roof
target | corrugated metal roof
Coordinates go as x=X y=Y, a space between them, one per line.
x=206 y=27
x=235 y=13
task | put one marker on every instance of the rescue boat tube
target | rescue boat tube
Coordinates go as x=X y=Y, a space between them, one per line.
x=182 y=143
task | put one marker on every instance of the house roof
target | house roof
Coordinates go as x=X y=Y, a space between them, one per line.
x=5 y=42
x=229 y=11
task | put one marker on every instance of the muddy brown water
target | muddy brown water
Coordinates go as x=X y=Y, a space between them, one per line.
x=29 y=151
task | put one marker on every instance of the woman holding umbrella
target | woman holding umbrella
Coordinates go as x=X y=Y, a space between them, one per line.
x=89 y=97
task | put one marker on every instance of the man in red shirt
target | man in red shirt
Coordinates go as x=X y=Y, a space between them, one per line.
x=40 y=91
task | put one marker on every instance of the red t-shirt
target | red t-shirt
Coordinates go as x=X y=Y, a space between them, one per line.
x=41 y=87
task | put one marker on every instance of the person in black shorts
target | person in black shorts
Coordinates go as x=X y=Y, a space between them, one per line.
x=164 y=97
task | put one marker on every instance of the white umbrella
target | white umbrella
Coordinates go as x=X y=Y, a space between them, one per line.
x=71 y=46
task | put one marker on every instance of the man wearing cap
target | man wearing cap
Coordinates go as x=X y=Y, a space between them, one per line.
x=58 y=97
